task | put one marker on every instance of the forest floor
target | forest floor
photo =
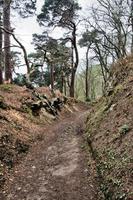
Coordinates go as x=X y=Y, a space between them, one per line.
x=85 y=153
x=55 y=168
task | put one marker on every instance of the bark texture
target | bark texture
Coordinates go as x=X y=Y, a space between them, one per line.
x=1 y=77
x=7 y=54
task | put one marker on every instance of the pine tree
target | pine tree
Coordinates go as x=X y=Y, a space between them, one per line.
x=63 y=14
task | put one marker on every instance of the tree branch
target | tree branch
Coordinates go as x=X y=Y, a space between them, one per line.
x=21 y=46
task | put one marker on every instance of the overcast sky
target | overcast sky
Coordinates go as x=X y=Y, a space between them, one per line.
x=24 y=28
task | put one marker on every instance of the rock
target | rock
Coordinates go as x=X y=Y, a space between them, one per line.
x=112 y=107
x=33 y=167
x=57 y=103
x=38 y=102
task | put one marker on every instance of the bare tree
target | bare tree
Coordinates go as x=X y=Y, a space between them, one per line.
x=111 y=19
x=110 y=25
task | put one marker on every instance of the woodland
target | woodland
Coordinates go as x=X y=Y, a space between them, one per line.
x=105 y=34
x=66 y=114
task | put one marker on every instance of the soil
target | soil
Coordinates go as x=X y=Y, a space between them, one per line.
x=110 y=136
x=55 y=168
x=86 y=153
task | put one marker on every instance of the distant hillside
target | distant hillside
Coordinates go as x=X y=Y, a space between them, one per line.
x=110 y=134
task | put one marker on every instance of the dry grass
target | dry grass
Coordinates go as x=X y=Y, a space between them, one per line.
x=18 y=128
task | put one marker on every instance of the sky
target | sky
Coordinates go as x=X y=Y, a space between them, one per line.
x=24 y=28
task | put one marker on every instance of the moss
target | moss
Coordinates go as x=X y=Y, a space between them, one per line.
x=108 y=161
x=96 y=117
x=118 y=89
x=6 y=87
x=3 y=105
x=112 y=159
x=118 y=163
x=124 y=129
x=27 y=110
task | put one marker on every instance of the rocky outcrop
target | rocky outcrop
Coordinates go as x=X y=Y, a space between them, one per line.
x=39 y=101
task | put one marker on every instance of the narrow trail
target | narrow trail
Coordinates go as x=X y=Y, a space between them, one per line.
x=55 y=168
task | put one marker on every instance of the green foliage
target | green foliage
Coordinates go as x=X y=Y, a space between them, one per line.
x=3 y=105
x=24 y=7
x=6 y=87
x=38 y=77
x=89 y=37
x=59 y=13
x=95 y=84
x=106 y=161
x=20 y=80
x=57 y=55
x=124 y=129
x=54 y=54
x=88 y=99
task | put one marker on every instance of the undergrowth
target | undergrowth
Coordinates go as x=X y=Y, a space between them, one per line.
x=112 y=166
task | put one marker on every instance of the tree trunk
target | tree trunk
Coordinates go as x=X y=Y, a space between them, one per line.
x=72 y=76
x=75 y=65
x=62 y=81
x=1 y=34
x=52 y=77
x=72 y=83
x=65 y=87
x=132 y=25
x=87 y=75
x=7 y=55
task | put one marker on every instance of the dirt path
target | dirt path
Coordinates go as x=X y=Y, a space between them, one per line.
x=55 y=168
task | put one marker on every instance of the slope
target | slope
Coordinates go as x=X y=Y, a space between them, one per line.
x=23 y=116
x=109 y=134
